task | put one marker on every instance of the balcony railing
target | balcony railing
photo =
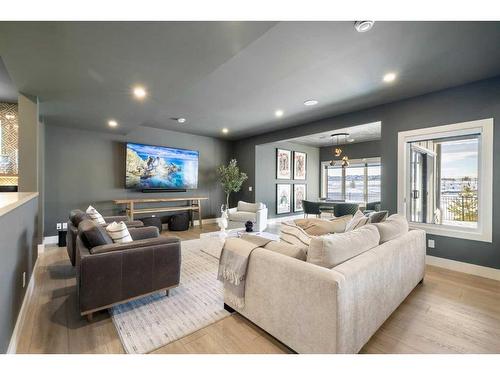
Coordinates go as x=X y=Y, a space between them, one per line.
x=459 y=208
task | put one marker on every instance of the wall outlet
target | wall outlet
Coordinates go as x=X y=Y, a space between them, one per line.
x=65 y=226
x=250 y=188
x=430 y=244
x=58 y=226
x=24 y=279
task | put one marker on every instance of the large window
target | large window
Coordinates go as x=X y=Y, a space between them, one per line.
x=445 y=179
x=360 y=182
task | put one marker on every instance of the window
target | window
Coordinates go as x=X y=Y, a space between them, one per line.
x=360 y=182
x=445 y=179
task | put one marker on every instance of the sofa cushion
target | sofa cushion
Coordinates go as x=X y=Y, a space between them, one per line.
x=95 y=215
x=331 y=250
x=77 y=216
x=287 y=249
x=377 y=216
x=357 y=221
x=93 y=235
x=394 y=226
x=250 y=207
x=295 y=235
x=320 y=227
x=243 y=216
x=119 y=232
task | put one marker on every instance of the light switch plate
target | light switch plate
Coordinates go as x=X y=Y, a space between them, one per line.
x=430 y=244
x=250 y=188
x=58 y=226
x=65 y=225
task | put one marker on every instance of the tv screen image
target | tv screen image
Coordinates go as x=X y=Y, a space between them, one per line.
x=157 y=167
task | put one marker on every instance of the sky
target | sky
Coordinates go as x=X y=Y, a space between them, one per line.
x=459 y=158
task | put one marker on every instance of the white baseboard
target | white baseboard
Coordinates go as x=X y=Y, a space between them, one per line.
x=205 y=221
x=472 y=269
x=50 y=240
x=21 y=317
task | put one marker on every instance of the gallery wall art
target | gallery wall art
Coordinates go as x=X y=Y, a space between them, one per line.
x=283 y=164
x=299 y=194
x=299 y=165
x=283 y=198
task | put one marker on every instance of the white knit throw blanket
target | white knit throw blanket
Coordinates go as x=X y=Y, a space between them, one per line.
x=233 y=266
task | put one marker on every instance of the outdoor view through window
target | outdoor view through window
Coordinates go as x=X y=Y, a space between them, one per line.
x=444 y=181
x=359 y=182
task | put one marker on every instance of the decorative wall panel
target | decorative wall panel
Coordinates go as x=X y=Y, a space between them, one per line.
x=9 y=142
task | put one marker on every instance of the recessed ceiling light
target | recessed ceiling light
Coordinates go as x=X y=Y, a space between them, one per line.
x=225 y=130
x=279 y=113
x=112 y=123
x=389 y=77
x=310 y=102
x=139 y=92
x=363 y=26
x=181 y=120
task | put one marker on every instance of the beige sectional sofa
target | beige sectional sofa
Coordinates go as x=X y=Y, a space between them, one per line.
x=315 y=309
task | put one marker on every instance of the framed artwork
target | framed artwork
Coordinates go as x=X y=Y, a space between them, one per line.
x=299 y=194
x=283 y=198
x=299 y=165
x=283 y=164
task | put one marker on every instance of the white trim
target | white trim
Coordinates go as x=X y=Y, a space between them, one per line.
x=50 y=240
x=485 y=128
x=21 y=317
x=205 y=221
x=472 y=269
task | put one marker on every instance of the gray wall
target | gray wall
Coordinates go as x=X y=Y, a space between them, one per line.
x=353 y=151
x=18 y=236
x=474 y=101
x=85 y=167
x=265 y=180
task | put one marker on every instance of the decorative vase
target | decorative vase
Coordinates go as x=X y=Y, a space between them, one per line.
x=249 y=226
x=222 y=221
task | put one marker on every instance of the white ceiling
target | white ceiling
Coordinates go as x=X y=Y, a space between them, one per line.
x=359 y=133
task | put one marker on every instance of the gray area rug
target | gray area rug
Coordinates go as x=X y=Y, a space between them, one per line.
x=151 y=322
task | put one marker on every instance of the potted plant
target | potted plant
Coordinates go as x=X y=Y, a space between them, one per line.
x=231 y=179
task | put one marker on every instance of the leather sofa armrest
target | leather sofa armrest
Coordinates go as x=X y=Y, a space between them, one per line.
x=142 y=233
x=145 y=243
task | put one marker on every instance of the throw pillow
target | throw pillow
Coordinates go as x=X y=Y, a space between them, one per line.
x=95 y=216
x=377 y=217
x=394 y=226
x=287 y=249
x=93 y=235
x=295 y=235
x=357 y=221
x=119 y=232
x=331 y=250
x=320 y=227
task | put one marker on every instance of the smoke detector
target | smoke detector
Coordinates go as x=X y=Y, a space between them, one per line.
x=363 y=26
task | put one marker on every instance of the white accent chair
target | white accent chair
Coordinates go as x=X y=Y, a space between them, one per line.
x=254 y=212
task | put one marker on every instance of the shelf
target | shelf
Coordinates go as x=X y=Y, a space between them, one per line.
x=164 y=209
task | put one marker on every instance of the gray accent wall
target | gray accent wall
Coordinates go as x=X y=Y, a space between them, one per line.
x=469 y=102
x=353 y=151
x=265 y=178
x=87 y=167
x=18 y=236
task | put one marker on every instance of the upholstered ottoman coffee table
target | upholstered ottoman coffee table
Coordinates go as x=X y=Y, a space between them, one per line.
x=213 y=242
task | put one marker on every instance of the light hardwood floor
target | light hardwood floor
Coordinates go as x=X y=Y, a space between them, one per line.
x=450 y=313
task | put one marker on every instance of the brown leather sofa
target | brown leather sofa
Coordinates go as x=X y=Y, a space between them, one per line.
x=111 y=273
x=77 y=216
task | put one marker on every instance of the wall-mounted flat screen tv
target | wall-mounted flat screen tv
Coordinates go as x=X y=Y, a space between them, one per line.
x=165 y=168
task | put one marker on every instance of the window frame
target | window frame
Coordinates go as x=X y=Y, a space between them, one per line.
x=484 y=127
x=365 y=161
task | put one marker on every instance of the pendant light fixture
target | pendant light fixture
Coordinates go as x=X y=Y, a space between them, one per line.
x=339 y=158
